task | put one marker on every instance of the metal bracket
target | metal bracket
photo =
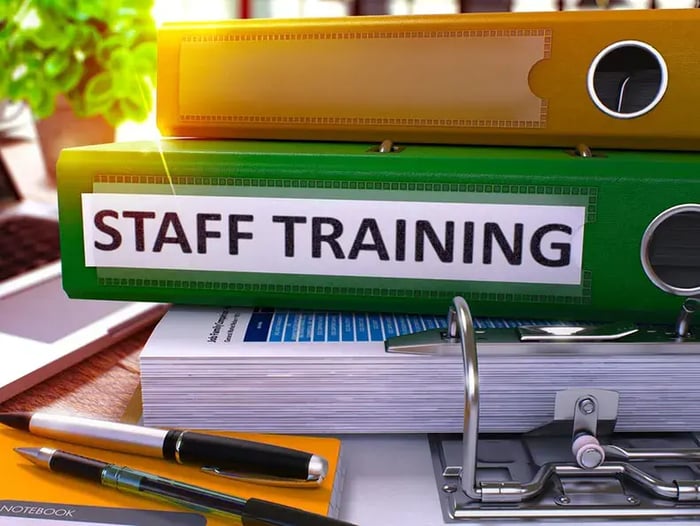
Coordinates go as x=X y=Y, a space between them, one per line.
x=569 y=403
x=471 y=477
x=588 y=337
x=386 y=146
x=685 y=317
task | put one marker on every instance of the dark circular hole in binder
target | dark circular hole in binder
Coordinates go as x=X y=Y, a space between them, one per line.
x=671 y=250
x=627 y=79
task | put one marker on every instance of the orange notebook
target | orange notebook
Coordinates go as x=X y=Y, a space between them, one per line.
x=30 y=491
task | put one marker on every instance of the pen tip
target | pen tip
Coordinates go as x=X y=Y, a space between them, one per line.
x=28 y=452
x=16 y=420
x=38 y=455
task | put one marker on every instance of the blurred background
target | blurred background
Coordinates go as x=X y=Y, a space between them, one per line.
x=208 y=9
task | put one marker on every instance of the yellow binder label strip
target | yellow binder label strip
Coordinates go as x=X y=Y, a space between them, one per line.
x=480 y=78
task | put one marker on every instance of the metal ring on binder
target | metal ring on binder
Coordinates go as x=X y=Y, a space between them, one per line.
x=552 y=492
x=470 y=438
x=641 y=53
x=681 y=253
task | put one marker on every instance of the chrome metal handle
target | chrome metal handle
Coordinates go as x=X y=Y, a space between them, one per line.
x=460 y=321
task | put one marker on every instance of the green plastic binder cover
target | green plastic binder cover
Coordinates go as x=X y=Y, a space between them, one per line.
x=534 y=233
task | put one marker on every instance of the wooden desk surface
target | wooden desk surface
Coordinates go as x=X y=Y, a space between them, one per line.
x=102 y=385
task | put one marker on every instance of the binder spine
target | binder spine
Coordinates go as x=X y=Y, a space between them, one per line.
x=518 y=232
x=611 y=79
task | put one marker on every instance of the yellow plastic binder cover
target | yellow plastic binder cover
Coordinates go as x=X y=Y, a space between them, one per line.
x=24 y=481
x=614 y=78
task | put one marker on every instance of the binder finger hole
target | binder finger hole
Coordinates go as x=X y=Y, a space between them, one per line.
x=671 y=250
x=627 y=79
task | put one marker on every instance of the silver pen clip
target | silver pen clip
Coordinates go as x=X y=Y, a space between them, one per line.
x=266 y=480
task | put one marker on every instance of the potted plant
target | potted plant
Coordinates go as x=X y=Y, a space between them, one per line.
x=82 y=66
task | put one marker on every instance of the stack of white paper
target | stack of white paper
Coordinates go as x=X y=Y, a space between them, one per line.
x=297 y=372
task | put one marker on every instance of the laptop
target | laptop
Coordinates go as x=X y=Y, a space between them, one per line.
x=42 y=331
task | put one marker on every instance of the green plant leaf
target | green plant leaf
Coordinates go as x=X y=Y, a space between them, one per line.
x=32 y=91
x=49 y=35
x=9 y=8
x=45 y=105
x=77 y=102
x=105 y=49
x=135 y=9
x=141 y=94
x=4 y=65
x=114 y=114
x=8 y=23
x=54 y=6
x=132 y=110
x=144 y=58
x=70 y=76
x=90 y=9
x=119 y=62
x=86 y=39
x=56 y=63
x=143 y=6
x=124 y=83
x=100 y=54
x=98 y=93
x=23 y=88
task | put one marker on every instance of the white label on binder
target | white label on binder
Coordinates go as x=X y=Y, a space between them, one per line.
x=517 y=243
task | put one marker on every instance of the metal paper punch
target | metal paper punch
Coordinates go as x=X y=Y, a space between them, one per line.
x=577 y=465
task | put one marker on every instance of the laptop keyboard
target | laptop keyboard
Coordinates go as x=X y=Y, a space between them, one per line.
x=27 y=243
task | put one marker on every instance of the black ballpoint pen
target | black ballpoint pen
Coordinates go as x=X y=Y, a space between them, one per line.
x=225 y=456
x=252 y=512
